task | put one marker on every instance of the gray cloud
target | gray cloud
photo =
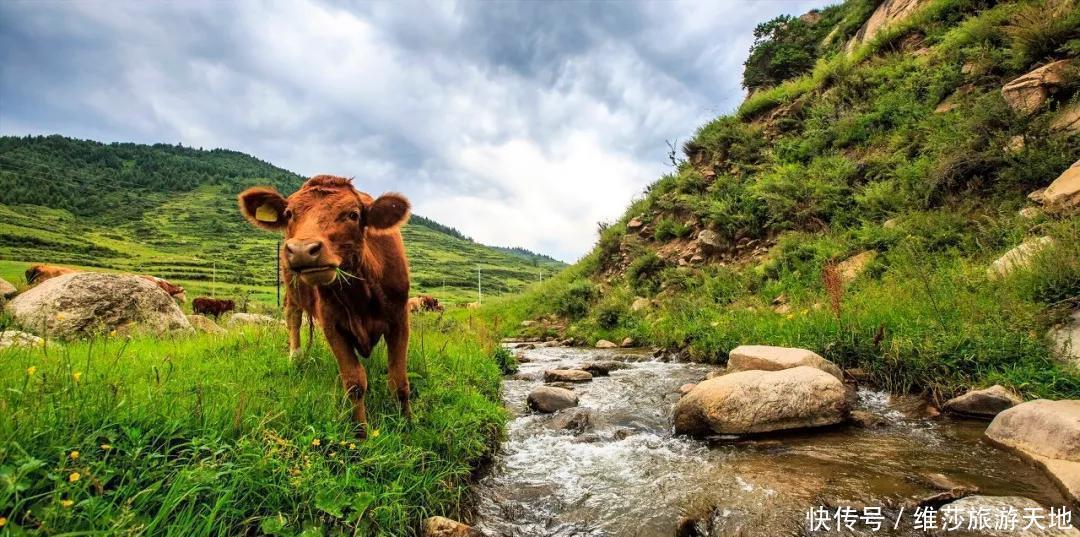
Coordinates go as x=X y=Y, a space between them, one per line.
x=518 y=123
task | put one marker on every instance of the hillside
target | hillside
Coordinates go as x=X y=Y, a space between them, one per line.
x=855 y=200
x=171 y=211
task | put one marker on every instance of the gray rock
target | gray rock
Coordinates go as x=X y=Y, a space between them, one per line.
x=1046 y=433
x=576 y=419
x=768 y=358
x=605 y=344
x=14 y=338
x=548 y=399
x=567 y=375
x=87 y=303
x=984 y=403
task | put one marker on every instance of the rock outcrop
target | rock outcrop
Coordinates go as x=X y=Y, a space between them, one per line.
x=1017 y=258
x=1066 y=340
x=1046 y=433
x=985 y=403
x=750 y=402
x=15 y=338
x=887 y=13
x=1026 y=93
x=1068 y=119
x=88 y=303
x=548 y=399
x=767 y=358
x=1064 y=192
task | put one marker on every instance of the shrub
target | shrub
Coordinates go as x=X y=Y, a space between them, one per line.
x=575 y=298
x=1038 y=29
x=609 y=314
x=505 y=359
x=643 y=273
x=668 y=228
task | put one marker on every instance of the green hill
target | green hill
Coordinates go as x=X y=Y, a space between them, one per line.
x=894 y=142
x=171 y=211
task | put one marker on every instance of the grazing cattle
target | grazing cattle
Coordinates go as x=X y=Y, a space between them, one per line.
x=472 y=305
x=345 y=265
x=415 y=304
x=39 y=273
x=430 y=303
x=211 y=306
x=174 y=291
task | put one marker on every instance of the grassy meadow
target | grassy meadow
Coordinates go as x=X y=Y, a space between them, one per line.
x=222 y=435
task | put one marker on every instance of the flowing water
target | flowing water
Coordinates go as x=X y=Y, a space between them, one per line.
x=628 y=475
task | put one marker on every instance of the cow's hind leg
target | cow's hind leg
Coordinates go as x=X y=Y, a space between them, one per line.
x=397 y=344
x=353 y=375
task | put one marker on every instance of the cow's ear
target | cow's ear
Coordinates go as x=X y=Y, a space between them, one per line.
x=263 y=207
x=388 y=211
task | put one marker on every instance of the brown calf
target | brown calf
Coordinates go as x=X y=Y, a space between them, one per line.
x=430 y=303
x=415 y=304
x=39 y=273
x=346 y=267
x=211 y=306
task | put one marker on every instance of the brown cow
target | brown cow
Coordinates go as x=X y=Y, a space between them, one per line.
x=39 y=273
x=416 y=304
x=211 y=306
x=174 y=291
x=346 y=267
x=430 y=303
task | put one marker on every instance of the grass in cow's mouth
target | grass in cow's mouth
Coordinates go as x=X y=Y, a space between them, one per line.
x=246 y=443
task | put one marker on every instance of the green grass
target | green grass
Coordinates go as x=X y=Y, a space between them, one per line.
x=208 y=435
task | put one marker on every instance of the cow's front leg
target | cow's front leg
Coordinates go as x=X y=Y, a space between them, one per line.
x=294 y=318
x=397 y=344
x=353 y=375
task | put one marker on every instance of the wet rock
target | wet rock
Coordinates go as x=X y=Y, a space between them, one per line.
x=867 y=420
x=627 y=342
x=567 y=375
x=768 y=358
x=762 y=401
x=438 y=526
x=205 y=325
x=1046 y=433
x=7 y=290
x=249 y=319
x=525 y=376
x=1064 y=192
x=548 y=344
x=1065 y=340
x=686 y=388
x=14 y=338
x=525 y=346
x=548 y=399
x=87 y=303
x=953 y=518
x=1017 y=258
x=943 y=482
x=576 y=419
x=713 y=373
x=984 y=403
x=1026 y=93
x=605 y=344
x=602 y=369
x=568 y=342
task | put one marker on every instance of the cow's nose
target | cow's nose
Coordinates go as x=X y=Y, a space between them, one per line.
x=301 y=252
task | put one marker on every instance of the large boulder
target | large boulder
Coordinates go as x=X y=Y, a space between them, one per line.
x=1067 y=120
x=438 y=526
x=887 y=13
x=964 y=518
x=766 y=358
x=548 y=399
x=985 y=403
x=1046 y=433
x=567 y=375
x=605 y=344
x=1018 y=257
x=15 y=338
x=1026 y=93
x=205 y=325
x=87 y=303
x=7 y=290
x=710 y=241
x=1064 y=192
x=762 y=401
x=1066 y=340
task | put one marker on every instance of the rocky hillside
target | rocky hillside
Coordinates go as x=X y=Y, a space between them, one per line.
x=899 y=194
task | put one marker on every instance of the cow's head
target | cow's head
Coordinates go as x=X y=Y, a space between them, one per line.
x=325 y=223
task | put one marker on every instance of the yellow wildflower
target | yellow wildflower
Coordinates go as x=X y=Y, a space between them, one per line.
x=76 y=376
x=375 y=433
x=294 y=471
x=341 y=442
x=31 y=370
x=112 y=334
x=3 y=521
x=352 y=445
x=74 y=477
x=106 y=447
x=333 y=454
x=74 y=455
x=316 y=442
x=66 y=503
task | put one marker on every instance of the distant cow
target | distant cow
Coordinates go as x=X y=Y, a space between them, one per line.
x=472 y=305
x=430 y=303
x=212 y=306
x=174 y=291
x=39 y=273
x=345 y=265
x=415 y=304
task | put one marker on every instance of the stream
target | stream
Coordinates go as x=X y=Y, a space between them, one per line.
x=626 y=474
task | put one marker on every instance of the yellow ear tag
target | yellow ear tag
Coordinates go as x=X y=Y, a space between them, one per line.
x=266 y=213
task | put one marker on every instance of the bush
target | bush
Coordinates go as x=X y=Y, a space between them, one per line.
x=575 y=298
x=668 y=228
x=506 y=360
x=1038 y=29
x=643 y=273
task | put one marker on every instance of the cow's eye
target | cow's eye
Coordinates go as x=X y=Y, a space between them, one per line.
x=287 y=214
x=354 y=215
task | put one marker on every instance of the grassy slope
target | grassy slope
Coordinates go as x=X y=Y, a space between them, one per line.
x=818 y=186
x=223 y=436
x=194 y=233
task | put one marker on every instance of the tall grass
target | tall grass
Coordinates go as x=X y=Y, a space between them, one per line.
x=223 y=435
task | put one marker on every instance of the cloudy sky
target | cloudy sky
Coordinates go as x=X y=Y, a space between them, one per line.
x=518 y=123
